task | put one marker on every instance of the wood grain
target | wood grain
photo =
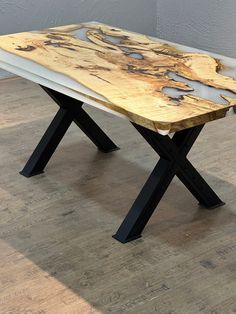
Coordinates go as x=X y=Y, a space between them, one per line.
x=57 y=255
x=131 y=86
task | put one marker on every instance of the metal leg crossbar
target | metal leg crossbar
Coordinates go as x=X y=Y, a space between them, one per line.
x=173 y=161
x=70 y=110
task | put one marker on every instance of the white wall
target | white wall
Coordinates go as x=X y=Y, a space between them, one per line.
x=206 y=24
x=20 y=15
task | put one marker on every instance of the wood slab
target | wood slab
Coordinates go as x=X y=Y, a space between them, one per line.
x=149 y=81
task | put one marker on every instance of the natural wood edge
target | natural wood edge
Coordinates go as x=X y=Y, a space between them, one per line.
x=201 y=119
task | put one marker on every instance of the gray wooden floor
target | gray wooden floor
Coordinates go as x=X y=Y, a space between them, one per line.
x=56 y=250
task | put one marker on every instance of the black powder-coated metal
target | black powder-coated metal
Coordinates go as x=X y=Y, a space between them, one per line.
x=172 y=162
x=70 y=110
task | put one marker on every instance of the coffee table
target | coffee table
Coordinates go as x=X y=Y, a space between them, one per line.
x=160 y=87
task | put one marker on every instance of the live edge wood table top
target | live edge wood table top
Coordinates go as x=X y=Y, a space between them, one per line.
x=161 y=87
x=147 y=80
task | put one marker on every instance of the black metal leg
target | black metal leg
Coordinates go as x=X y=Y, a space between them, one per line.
x=195 y=183
x=70 y=110
x=93 y=131
x=177 y=149
x=83 y=120
x=48 y=144
x=146 y=202
x=173 y=162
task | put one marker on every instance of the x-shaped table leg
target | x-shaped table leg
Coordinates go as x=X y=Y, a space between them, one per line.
x=70 y=110
x=173 y=161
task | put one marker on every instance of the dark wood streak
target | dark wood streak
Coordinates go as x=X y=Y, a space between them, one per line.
x=27 y=48
x=55 y=37
x=100 y=78
x=67 y=45
x=91 y=68
x=59 y=44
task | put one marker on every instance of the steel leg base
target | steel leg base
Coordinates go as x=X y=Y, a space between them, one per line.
x=70 y=110
x=173 y=161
